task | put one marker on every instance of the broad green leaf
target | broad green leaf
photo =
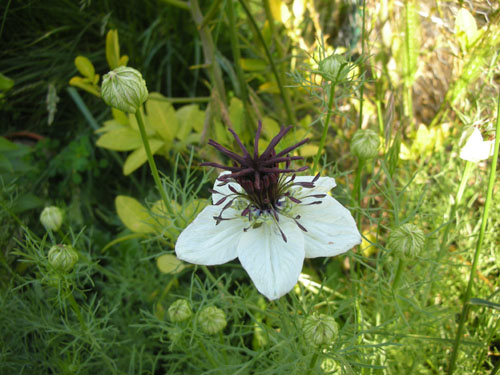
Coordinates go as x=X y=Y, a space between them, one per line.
x=133 y=214
x=5 y=83
x=269 y=87
x=161 y=117
x=132 y=120
x=109 y=126
x=138 y=157
x=189 y=117
x=27 y=202
x=112 y=49
x=465 y=28
x=123 y=60
x=120 y=116
x=85 y=67
x=169 y=263
x=121 y=139
x=6 y=145
x=236 y=114
x=275 y=6
x=253 y=65
x=84 y=84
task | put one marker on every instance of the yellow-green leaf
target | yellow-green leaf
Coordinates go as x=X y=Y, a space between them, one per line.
x=269 y=87
x=112 y=49
x=189 y=117
x=253 y=65
x=120 y=139
x=138 y=157
x=85 y=67
x=133 y=214
x=120 y=116
x=465 y=28
x=236 y=114
x=83 y=83
x=161 y=117
x=168 y=263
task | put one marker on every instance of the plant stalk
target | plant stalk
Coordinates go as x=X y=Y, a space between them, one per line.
x=325 y=127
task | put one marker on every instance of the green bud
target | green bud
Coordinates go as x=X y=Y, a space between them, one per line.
x=365 y=144
x=179 y=311
x=334 y=68
x=123 y=88
x=212 y=320
x=63 y=257
x=320 y=329
x=51 y=218
x=408 y=240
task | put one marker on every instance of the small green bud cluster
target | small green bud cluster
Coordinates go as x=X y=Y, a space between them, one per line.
x=51 y=218
x=365 y=144
x=211 y=319
x=123 y=88
x=408 y=240
x=62 y=257
x=334 y=68
x=320 y=329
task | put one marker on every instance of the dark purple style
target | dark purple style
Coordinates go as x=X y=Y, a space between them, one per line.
x=266 y=187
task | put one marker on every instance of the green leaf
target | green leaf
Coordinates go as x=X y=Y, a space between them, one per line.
x=189 y=117
x=84 y=84
x=27 y=202
x=253 y=65
x=85 y=67
x=134 y=215
x=5 y=83
x=161 y=117
x=120 y=139
x=169 y=263
x=465 y=28
x=236 y=115
x=112 y=49
x=138 y=157
x=483 y=302
x=120 y=116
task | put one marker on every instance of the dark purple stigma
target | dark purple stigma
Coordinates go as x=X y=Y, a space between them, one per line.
x=259 y=175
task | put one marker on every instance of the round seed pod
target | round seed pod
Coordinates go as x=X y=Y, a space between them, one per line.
x=365 y=144
x=212 y=320
x=179 y=311
x=51 y=218
x=62 y=257
x=320 y=329
x=407 y=240
x=123 y=88
x=333 y=68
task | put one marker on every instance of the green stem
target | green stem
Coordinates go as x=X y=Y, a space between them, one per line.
x=312 y=363
x=484 y=221
x=151 y=161
x=325 y=127
x=283 y=92
x=77 y=311
x=235 y=46
x=362 y=88
x=178 y=3
x=209 y=357
x=399 y=272
x=356 y=191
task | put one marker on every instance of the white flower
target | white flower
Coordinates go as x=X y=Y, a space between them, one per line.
x=476 y=149
x=297 y=220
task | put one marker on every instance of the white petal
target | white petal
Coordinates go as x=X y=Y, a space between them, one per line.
x=273 y=264
x=204 y=242
x=223 y=190
x=475 y=148
x=322 y=184
x=331 y=229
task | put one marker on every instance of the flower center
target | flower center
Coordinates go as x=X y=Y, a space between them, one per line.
x=266 y=188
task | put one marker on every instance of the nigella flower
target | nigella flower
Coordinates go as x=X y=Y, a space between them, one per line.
x=268 y=217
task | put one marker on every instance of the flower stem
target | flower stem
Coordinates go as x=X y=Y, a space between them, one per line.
x=399 y=271
x=325 y=127
x=484 y=221
x=356 y=191
x=314 y=359
x=151 y=161
x=77 y=311
x=283 y=92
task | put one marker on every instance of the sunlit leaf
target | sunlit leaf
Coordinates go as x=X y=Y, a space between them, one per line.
x=133 y=214
x=120 y=139
x=138 y=157
x=84 y=84
x=189 y=117
x=169 y=263
x=465 y=28
x=85 y=67
x=161 y=117
x=236 y=114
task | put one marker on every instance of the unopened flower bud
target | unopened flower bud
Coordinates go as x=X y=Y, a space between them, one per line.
x=123 y=88
x=365 y=144
x=320 y=329
x=212 y=320
x=408 y=240
x=333 y=68
x=51 y=218
x=63 y=257
x=179 y=311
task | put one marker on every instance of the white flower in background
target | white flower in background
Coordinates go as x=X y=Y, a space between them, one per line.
x=268 y=218
x=475 y=148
